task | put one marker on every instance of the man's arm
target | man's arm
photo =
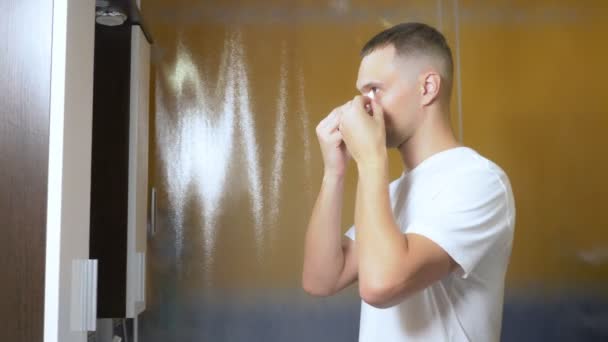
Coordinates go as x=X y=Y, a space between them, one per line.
x=392 y=265
x=330 y=259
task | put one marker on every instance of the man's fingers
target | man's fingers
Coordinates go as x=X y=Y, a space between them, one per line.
x=377 y=110
x=335 y=138
x=359 y=101
x=339 y=135
x=329 y=123
x=334 y=121
x=363 y=103
x=323 y=122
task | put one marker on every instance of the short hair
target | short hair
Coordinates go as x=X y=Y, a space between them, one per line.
x=414 y=39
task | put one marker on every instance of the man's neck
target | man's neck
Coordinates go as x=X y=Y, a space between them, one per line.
x=433 y=136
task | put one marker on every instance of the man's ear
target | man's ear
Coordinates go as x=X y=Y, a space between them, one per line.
x=430 y=85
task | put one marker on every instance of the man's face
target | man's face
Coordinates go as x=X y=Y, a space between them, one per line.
x=395 y=90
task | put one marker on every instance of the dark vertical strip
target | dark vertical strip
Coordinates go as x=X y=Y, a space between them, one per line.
x=25 y=69
x=110 y=166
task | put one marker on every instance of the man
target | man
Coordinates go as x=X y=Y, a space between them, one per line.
x=429 y=250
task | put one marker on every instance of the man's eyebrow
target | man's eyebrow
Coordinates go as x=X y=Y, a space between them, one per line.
x=369 y=85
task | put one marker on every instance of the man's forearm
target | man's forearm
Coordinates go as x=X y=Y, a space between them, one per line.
x=379 y=241
x=323 y=256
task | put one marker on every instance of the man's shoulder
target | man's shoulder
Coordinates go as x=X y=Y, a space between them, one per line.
x=469 y=166
x=472 y=176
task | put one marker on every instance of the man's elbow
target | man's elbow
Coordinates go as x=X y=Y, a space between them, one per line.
x=375 y=296
x=382 y=295
x=315 y=289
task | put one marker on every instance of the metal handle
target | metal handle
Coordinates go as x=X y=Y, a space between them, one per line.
x=152 y=211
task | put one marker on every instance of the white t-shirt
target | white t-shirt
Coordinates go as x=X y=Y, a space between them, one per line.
x=464 y=203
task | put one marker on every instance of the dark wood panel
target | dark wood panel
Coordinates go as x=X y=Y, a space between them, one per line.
x=110 y=166
x=25 y=69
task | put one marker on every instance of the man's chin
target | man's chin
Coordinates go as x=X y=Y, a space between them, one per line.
x=390 y=146
x=395 y=143
x=392 y=139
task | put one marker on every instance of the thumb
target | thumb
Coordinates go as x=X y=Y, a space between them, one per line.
x=378 y=112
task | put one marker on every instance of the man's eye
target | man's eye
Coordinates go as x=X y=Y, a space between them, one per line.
x=374 y=89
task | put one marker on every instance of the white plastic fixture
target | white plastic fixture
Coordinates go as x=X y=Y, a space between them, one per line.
x=110 y=17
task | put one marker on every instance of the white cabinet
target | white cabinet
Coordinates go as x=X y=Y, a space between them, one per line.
x=138 y=172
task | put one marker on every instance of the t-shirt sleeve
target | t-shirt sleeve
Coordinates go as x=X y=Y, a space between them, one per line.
x=469 y=217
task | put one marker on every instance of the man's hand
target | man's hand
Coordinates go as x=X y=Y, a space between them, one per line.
x=364 y=134
x=333 y=149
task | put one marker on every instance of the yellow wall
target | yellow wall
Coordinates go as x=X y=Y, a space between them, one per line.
x=532 y=100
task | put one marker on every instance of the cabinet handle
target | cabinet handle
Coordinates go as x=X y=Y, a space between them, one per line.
x=153 y=211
